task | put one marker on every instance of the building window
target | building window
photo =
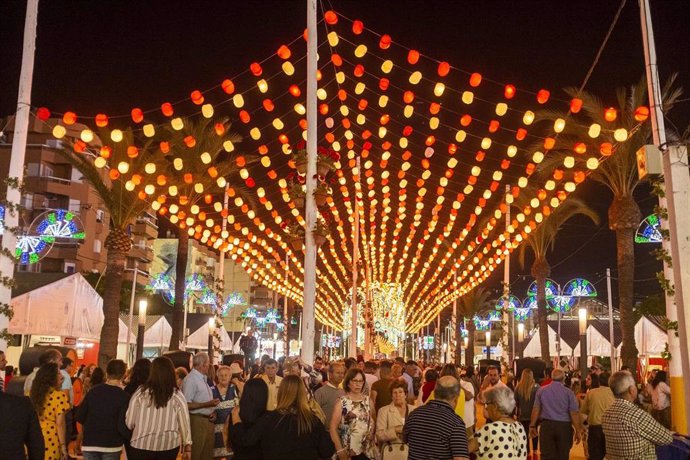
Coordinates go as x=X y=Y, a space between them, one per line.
x=70 y=267
x=97 y=246
x=27 y=201
x=100 y=215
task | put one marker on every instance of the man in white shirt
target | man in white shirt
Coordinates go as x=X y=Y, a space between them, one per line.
x=201 y=405
x=468 y=414
x=272 y=381
x=493 y=379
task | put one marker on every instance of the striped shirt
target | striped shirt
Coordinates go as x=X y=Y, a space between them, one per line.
x=435 y=431
x=158 y=428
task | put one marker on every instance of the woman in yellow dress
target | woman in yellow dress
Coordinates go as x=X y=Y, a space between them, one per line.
x=51 y=405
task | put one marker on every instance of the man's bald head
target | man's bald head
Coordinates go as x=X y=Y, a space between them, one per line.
x=557 y=375
x=447 y=388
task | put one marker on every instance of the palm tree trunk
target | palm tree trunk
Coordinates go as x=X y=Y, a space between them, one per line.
x=118 y=244
x=624 y=216
x=469 y=352
x=540 y=271
x=180 y=279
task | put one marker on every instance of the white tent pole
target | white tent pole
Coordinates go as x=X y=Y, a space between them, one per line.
x=506 y=289
x=309 y=296
x=16 y=171
x=610 y=302
x=131 y=312
x=286 y=320
x=355 y=272
x=677 y=198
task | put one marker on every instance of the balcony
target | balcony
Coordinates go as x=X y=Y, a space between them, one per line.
x=141 y=252
x=49 y=184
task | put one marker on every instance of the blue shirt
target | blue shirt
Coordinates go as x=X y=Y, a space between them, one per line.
x=196 y=390
x=556 y=402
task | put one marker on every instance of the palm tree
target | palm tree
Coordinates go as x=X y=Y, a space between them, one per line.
x=541 y=241
x=475 y=302
x=619 y=174
x=200 y=144
x=123 y=207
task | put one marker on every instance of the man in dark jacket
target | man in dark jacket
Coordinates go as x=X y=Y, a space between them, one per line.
x=19 y=429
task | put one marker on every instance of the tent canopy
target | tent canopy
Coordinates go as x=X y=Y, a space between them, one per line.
x=66 y=306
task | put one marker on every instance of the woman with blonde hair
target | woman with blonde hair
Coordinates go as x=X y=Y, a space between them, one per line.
x=292 y=430
x=525 y=392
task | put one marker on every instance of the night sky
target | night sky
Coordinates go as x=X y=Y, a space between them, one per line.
x=110 y=56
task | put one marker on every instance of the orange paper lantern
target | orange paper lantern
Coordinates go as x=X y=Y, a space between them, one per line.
x=385 y=42
x=137 y=115
x=167 y=109
x=475 y=79
x=509 y=91
x=228 y=86
x=610 y=114
x=69 y=118
x=357 y=27
x=413 y=57
x=101 y=120
x=256 y=69
x=443 y=69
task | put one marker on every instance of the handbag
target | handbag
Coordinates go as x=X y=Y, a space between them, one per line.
x=394 y=451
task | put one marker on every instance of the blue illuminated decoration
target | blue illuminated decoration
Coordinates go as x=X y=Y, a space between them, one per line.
x=483 y=323
x=649 y=230
x=31 y=249
x=552 y=288
x=579 y=287
x=2 y=220
x=521 y=314
x=530 y=302
x=513 y=303
x=59 y=223
x=561 y=303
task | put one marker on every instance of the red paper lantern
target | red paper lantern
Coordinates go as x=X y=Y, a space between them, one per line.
x=284 y=52
x=509 y=91
x=228 y=86
x=641 y=114
x=69 y=118
x=330 y=17
x=197 y=97
x=413 y=57
x=385 y=42
x=357 y=27
x=43 y=113
x=575 y=105
x=256 y=69
x=475 y=79
x=167 y=109
x=443 y=69
x=543 y=96
x=101 y=120
x=137 y=115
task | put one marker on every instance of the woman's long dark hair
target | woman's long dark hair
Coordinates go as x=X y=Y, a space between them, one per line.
x=253 y=401
x=162 y=382
x=139 y=376
x=658 y=378
x=46 y=381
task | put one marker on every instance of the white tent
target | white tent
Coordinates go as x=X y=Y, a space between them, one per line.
x=68 y=307
x=597 y=344
x=533 y=347
x=650 y=338
x=158 y=334
x=199 y=339
x=122 y=334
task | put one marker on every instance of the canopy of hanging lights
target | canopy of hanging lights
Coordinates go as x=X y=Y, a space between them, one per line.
x=442 y=151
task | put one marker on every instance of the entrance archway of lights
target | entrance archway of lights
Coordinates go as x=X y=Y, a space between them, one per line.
x=438 y=145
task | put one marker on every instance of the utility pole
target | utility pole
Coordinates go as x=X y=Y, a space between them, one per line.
x=355 y=270
x=16 y=171
x=677 y=197
x=307 y=327
x=506 y=289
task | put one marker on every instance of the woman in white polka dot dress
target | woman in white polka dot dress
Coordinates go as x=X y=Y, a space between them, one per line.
x=505 y=437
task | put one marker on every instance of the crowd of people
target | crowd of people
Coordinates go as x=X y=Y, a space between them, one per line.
x=343 y=409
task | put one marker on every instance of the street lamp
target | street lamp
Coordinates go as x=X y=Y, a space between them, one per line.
x=488 y=344
x=582 y=316
x=211 y=330
x=521 y=336
x=143 y=304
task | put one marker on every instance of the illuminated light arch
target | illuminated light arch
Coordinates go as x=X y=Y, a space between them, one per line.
x=31 y=249
x=649 y=230
x=579 y=287
x=561 y=303
x=483 y=323
x=552 y=289
x=513 y=303
x=58 y=224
